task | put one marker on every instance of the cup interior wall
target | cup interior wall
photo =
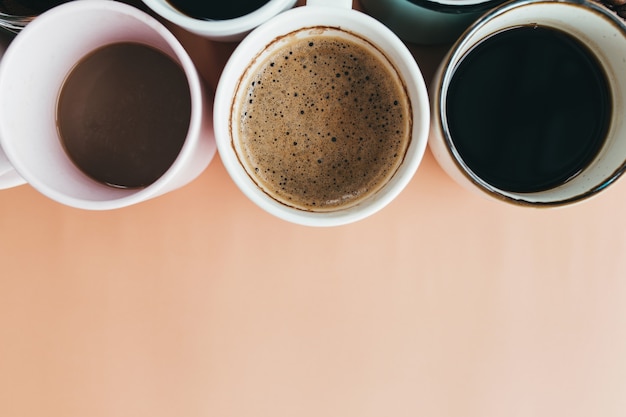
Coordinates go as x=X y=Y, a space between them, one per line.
x=605 y=36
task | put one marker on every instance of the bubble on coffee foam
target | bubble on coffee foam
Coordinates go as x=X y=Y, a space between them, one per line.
x=323 y=123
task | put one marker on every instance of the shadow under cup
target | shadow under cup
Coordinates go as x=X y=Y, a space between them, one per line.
x=33 y=72
x=601 y=35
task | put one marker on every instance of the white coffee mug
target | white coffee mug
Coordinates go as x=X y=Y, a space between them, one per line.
x=340 y=20
x=604 y=35
x=31 y=76
x=227 y=30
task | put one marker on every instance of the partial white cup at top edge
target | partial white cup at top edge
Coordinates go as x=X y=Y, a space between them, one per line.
x=330 y=13
x=31 y=75
x=227 y=30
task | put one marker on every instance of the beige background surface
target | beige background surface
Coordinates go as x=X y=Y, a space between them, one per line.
x=198 y=303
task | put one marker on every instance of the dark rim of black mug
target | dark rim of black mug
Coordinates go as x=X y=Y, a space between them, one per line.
x=452 y=8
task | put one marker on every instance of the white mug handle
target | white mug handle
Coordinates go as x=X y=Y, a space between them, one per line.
x=5 y=165
x=346 y=4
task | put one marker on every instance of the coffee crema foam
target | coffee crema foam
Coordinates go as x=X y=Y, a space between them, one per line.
x=323 y=121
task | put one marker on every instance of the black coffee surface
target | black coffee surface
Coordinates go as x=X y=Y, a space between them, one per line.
x=217 y=10
x=123 y=114
x=324 y=123
x=528 y=108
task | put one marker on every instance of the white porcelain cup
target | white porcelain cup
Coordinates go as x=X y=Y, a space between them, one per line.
x=335 y=18
x=604 y=35
x=31 y=76
x=8 y=176
x=227 y=30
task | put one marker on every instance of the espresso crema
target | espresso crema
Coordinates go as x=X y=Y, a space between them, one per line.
x=321 y=120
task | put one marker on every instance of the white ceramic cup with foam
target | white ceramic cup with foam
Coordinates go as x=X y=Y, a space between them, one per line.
x=32 y=74
x=227 y=30
x=596 y=27
x=340 y=16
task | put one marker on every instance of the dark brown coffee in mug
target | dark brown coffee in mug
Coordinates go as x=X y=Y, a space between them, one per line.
x=123 y=114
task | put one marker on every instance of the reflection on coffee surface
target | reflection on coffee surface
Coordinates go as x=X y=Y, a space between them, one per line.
x=123 y=114
x=323 y=121
x=217 y=10
x=528 y=108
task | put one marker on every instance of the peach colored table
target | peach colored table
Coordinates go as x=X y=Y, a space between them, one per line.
x=199 y=304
